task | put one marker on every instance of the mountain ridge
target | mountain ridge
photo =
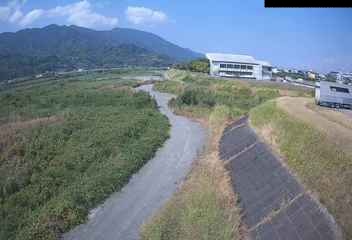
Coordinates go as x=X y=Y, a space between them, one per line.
x=71 y=47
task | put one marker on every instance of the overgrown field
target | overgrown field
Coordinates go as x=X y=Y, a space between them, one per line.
x=65 y=146
x=200 y=91
x=321 y=164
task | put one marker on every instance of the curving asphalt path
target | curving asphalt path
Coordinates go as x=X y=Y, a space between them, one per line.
x=122 y=214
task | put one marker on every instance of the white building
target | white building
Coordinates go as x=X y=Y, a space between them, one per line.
x=239 y=66
x=275 y=70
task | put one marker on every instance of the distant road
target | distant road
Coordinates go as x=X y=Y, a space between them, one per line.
x=122 y=215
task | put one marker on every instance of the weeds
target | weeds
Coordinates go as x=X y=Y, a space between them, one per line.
x=52 y=174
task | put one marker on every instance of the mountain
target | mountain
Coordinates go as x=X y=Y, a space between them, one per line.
x=36 y=50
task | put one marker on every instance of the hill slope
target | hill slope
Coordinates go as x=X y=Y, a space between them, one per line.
x=54 y=47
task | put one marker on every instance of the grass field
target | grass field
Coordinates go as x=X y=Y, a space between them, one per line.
x=67 y=145
x=302 y=137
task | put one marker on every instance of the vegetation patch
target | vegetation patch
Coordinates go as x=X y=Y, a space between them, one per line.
x=323 y=166
x=173 y=87
x=198 y=65
x=52 y=174
x=199 y=94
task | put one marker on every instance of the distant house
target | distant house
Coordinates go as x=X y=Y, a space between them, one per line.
x=275 y=70
x=288 y=78
x=334 y=75
x=311 y=75
x=321 y=75
x=347 y=77
x=239 y=66
x=333 y=94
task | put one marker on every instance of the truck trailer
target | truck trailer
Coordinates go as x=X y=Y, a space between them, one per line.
x=333 y=94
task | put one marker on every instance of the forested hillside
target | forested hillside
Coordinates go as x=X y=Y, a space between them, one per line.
x=55 y=48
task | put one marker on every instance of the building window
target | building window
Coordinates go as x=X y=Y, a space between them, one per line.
x=229 y=66
x=267 y=69
x=250 y=67
x=222 y=65
x=339 y=89
x=243 y=67
x=237 y=66
x=236 y=73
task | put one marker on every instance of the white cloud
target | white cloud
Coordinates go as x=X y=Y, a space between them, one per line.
x=142 y=15
x=7 y=12
x=4 y=13
x=30 y=17
x=80 y=13
x=16 y=16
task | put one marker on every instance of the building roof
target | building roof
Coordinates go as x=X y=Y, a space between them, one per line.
x=220 y=57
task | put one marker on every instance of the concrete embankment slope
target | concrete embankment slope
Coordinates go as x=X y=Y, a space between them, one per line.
x=275 y=205
x=122 y=215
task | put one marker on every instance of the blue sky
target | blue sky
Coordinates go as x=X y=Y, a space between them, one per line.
x=319 y=39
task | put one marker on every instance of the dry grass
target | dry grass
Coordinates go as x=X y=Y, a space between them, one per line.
x=312 y=151
x=8 y=131
x=267 y=133
x=332 y=115
x=117 y=87
x=205 y=206
x=336 y=125
x=12 y=127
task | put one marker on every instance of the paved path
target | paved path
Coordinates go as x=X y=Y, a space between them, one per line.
x=121 y=216
x=274 y=204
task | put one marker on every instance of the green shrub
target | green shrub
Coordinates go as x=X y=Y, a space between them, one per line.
x=240 y=98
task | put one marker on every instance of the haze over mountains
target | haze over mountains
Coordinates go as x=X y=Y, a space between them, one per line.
x=54 y=48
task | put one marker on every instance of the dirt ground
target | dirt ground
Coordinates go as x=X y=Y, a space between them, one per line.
x=10 y=128
x=337 y=125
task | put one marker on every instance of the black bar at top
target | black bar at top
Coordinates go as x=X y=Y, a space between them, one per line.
x=308 y=3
